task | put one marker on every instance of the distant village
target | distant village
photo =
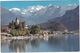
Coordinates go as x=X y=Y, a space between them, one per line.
x=17 y=28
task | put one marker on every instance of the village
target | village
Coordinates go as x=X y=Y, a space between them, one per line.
x=21 y=27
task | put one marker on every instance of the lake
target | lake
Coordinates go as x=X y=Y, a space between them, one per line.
x=56 y=43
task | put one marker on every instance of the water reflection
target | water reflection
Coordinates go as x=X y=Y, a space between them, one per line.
x=21 y=45
x=18 y=45
x=46 y=39
x=54 y=43
x=35 y=43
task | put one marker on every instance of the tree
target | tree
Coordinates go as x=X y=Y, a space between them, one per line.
x=24 y=23
x=23 y=32
x=16 y=26
x=19 y=32
x=20 y=26
x=35 y=29
x=16 y=33
x=12 y=32
x=9 y=25
x=12 y=25
x=27 y=31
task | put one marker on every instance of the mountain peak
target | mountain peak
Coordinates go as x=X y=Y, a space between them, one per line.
x=72 y=5
x=36 y=8
x=39 y=14
x=14 y=9
x=51 y=5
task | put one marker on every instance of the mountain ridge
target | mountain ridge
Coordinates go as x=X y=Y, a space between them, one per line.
x=70 y=19
x=37 y=17
x=44 y=13
x=7 y=16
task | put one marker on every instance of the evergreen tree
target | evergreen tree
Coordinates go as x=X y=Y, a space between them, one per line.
x=27 y=31
x=9 y=25
x=12 y=25
x=20 y=26
x=35 y=29
x=16 y=26
x=24 y=25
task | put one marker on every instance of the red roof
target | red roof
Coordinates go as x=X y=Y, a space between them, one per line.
x=5 y=28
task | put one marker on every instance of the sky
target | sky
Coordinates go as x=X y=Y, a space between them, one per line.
x=24 y=4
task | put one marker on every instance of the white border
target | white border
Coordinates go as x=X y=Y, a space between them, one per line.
x=79 y=25
x=39 y=52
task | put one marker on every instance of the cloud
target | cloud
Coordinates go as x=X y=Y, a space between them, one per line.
x=39 y=0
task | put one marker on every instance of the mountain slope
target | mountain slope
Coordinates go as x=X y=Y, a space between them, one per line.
x=70 y=19
x=34 y=14
x=7 y=16
x=39 y=14
x=53 y=26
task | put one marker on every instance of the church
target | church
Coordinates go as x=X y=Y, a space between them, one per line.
x=17 y=25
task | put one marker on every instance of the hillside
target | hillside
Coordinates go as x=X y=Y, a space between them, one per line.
x=40 y=14
x=34 y=14
x=70 y=19
x=7 y=16
x=53 y=26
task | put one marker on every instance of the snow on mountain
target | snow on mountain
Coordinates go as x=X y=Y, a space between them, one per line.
x=27 y=12
x=7 y=16
x=39 y=14
x=35 y=8
x=14 y=9
x=31 y=9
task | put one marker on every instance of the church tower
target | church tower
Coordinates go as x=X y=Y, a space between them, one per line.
x=17 y=20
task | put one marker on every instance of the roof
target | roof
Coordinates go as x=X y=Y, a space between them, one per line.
x=5 y=28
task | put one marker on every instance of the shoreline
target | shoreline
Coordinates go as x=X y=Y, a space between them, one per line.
x=34 y=37
x=24 y=37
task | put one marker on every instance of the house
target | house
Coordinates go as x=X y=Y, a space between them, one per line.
x=44 y=32
x=5 y=29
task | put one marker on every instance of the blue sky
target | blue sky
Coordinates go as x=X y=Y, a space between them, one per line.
x=24 y=4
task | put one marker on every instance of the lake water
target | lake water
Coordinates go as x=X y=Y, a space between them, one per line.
x=56 y=43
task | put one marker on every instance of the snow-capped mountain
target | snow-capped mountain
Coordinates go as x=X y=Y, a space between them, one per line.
x=26 y=11
x=39 y=14
x=7 y=16
x=42 y=10
x=14 y=9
